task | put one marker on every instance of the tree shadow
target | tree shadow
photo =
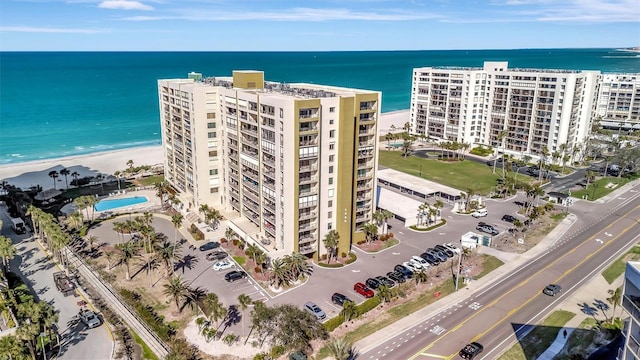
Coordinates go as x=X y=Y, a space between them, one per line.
x=186 y=262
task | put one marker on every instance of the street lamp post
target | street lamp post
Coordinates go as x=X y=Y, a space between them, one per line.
x=44 y=351
x=459 y=264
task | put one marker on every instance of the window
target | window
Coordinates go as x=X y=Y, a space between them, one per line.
x=332 y=146
x=213 y=190
x=331 y=122
x=332 y=158
x=331 y=191
x=211 y=115
x=213 y=172
x=211 y=125
x=211 y=135
x=213 y=153
x=332 y=109
x=329 y=226
x=330 y=203
x=281 y=113
x=332 y=133
x=330 y=214
x=331 y=169
x=330 y=181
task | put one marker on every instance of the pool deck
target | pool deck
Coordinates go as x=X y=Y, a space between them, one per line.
x=151 y=205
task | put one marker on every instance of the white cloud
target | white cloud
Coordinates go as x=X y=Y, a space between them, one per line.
x=572 y=11
x=124 y=5
x=294 y=14
x=48 y=30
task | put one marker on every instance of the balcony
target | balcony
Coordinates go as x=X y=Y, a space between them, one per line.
x=306 y=239
x=365 y=164
x=308 y=180
x=307 y=215
x=308 y=226
x=310 y=167
x=304 y=250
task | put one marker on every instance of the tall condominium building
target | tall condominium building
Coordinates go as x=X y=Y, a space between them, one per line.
x=618 y=104
x=285 y=163
x=631 y=303
x=519 y=111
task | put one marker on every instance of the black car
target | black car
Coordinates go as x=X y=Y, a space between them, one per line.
x=234 y=275
x=396 y=276
x=470 y=351
x=508 y=218
x=386 y=281
x=373 y=283
x=209 y=246
x=216 y=255
x=487 y=229
x=339 y=299
x=445 y=250
x=406 y=272
x=431 y=258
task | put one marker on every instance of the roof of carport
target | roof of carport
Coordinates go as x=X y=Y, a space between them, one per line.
x=415 y=183
x=398 y=204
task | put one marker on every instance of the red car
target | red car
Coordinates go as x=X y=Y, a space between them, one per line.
x=363 y=290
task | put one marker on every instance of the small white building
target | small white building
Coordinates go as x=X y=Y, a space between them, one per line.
x=471 y=240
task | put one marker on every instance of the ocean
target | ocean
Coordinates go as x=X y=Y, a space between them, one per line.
x=57 y=104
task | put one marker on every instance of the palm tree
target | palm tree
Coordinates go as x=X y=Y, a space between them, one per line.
x=75 y=220
x=384 y=293
x=54 y=175
x=149 y=264
x=65 y=173
x=213 y=218
x=76 y=176
x=12 y=348
x=167 y=253
x=501 y=135
x=421 y=276
x=386 y=215
x=91 y=240
x=217 y=311
x=378 y=218
x=7 y=251
x=544 y=152
x=331 y=243
x=176 y=220
x=370 y=231
x=349 y=310
x=161 y=188
x=469 y=194
x=297 y=265
x=177 y=289
x=130 y=166
x=279 y=273
x=128 y=251
x=616 y=296
x=243 y=303
x=229 y=234
x=590 y=176
x=341 y=349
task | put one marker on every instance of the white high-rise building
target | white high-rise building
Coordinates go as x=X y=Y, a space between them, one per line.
x=618 y=104
x=285 y=164
x=519 y=111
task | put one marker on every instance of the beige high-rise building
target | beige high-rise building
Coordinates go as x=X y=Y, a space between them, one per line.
x=518 y=111
x=285 y=163
x=618 y=105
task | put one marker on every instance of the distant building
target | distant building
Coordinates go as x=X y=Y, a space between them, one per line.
x=631 y=304
x=518 y=111
x=618 y=104
x=285 y=163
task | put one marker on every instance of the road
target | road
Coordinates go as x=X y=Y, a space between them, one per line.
x=36 y=270
x=501 y=312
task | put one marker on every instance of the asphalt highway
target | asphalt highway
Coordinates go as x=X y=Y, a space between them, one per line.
x=505 y=310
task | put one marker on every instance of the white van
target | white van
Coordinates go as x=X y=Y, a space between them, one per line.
x=480 y=213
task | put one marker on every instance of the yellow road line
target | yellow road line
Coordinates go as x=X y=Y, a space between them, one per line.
x=514 y=310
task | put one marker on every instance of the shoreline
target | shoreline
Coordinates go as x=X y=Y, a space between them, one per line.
x=36 y=172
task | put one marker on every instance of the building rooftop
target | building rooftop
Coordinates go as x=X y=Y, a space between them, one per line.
x=415 y=183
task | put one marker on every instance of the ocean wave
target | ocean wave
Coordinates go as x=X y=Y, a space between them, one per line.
x=621 y=57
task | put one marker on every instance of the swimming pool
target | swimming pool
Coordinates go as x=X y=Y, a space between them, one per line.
x=111 y=204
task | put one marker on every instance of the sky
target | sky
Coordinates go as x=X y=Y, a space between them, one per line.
x=315 y=25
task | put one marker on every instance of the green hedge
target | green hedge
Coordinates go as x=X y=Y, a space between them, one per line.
x=148 y=315
x=368 y=305
x=481 y=151
x=442 y=222
x=333 y=323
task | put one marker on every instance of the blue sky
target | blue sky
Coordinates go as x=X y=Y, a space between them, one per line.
x=230 y=25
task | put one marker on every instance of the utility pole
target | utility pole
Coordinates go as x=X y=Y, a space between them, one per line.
x=459 y=264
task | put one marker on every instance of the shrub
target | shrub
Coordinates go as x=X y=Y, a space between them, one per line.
x=236 y=242
x=332 y=265
x=361 y=242
x=148 y=314
x=277 y=351
x=344 y=255
x=333 y=323
x=391 y=235
x=323 y=257
x=368 y=305
x=257 y=269
x=223 y=241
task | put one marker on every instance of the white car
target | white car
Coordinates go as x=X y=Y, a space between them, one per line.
x=416 y=265
x=222 y=265
x=412 y=266
x=420 y=260
x=452 y=247
x=480 y=213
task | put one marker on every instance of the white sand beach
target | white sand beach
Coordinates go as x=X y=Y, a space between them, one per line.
x=28 y=174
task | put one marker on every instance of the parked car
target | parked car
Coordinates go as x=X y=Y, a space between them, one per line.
x=89 y=318
x=430 y=258
x=209 y=246
x=216 y=255
x=480 y=213
x=417 y=264
x=508 y=218
x=470 y=351
x=444 y=250
x=396 y=276
x=373 y=283
x=315 y=310
x=222 y=265
x=552 y=289
x=405 y=271
x=438 y=254
x=487 y=229
x=339 y=299
x=424 y=263
x=363 y=290
x=452 y=247
x=386 y=281
x=413 y=267
x=234 y=275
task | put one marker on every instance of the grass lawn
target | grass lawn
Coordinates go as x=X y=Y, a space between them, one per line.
x=146 y=351
x=150 y=180
x=455 y=174
x=599 y=188
x=539 y=339
x=617 y=267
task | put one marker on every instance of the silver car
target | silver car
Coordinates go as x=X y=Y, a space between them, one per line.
x=89 y=318
x=315 y=310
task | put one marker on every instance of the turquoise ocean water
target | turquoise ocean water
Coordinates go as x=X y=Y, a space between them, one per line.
x=55 y=104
